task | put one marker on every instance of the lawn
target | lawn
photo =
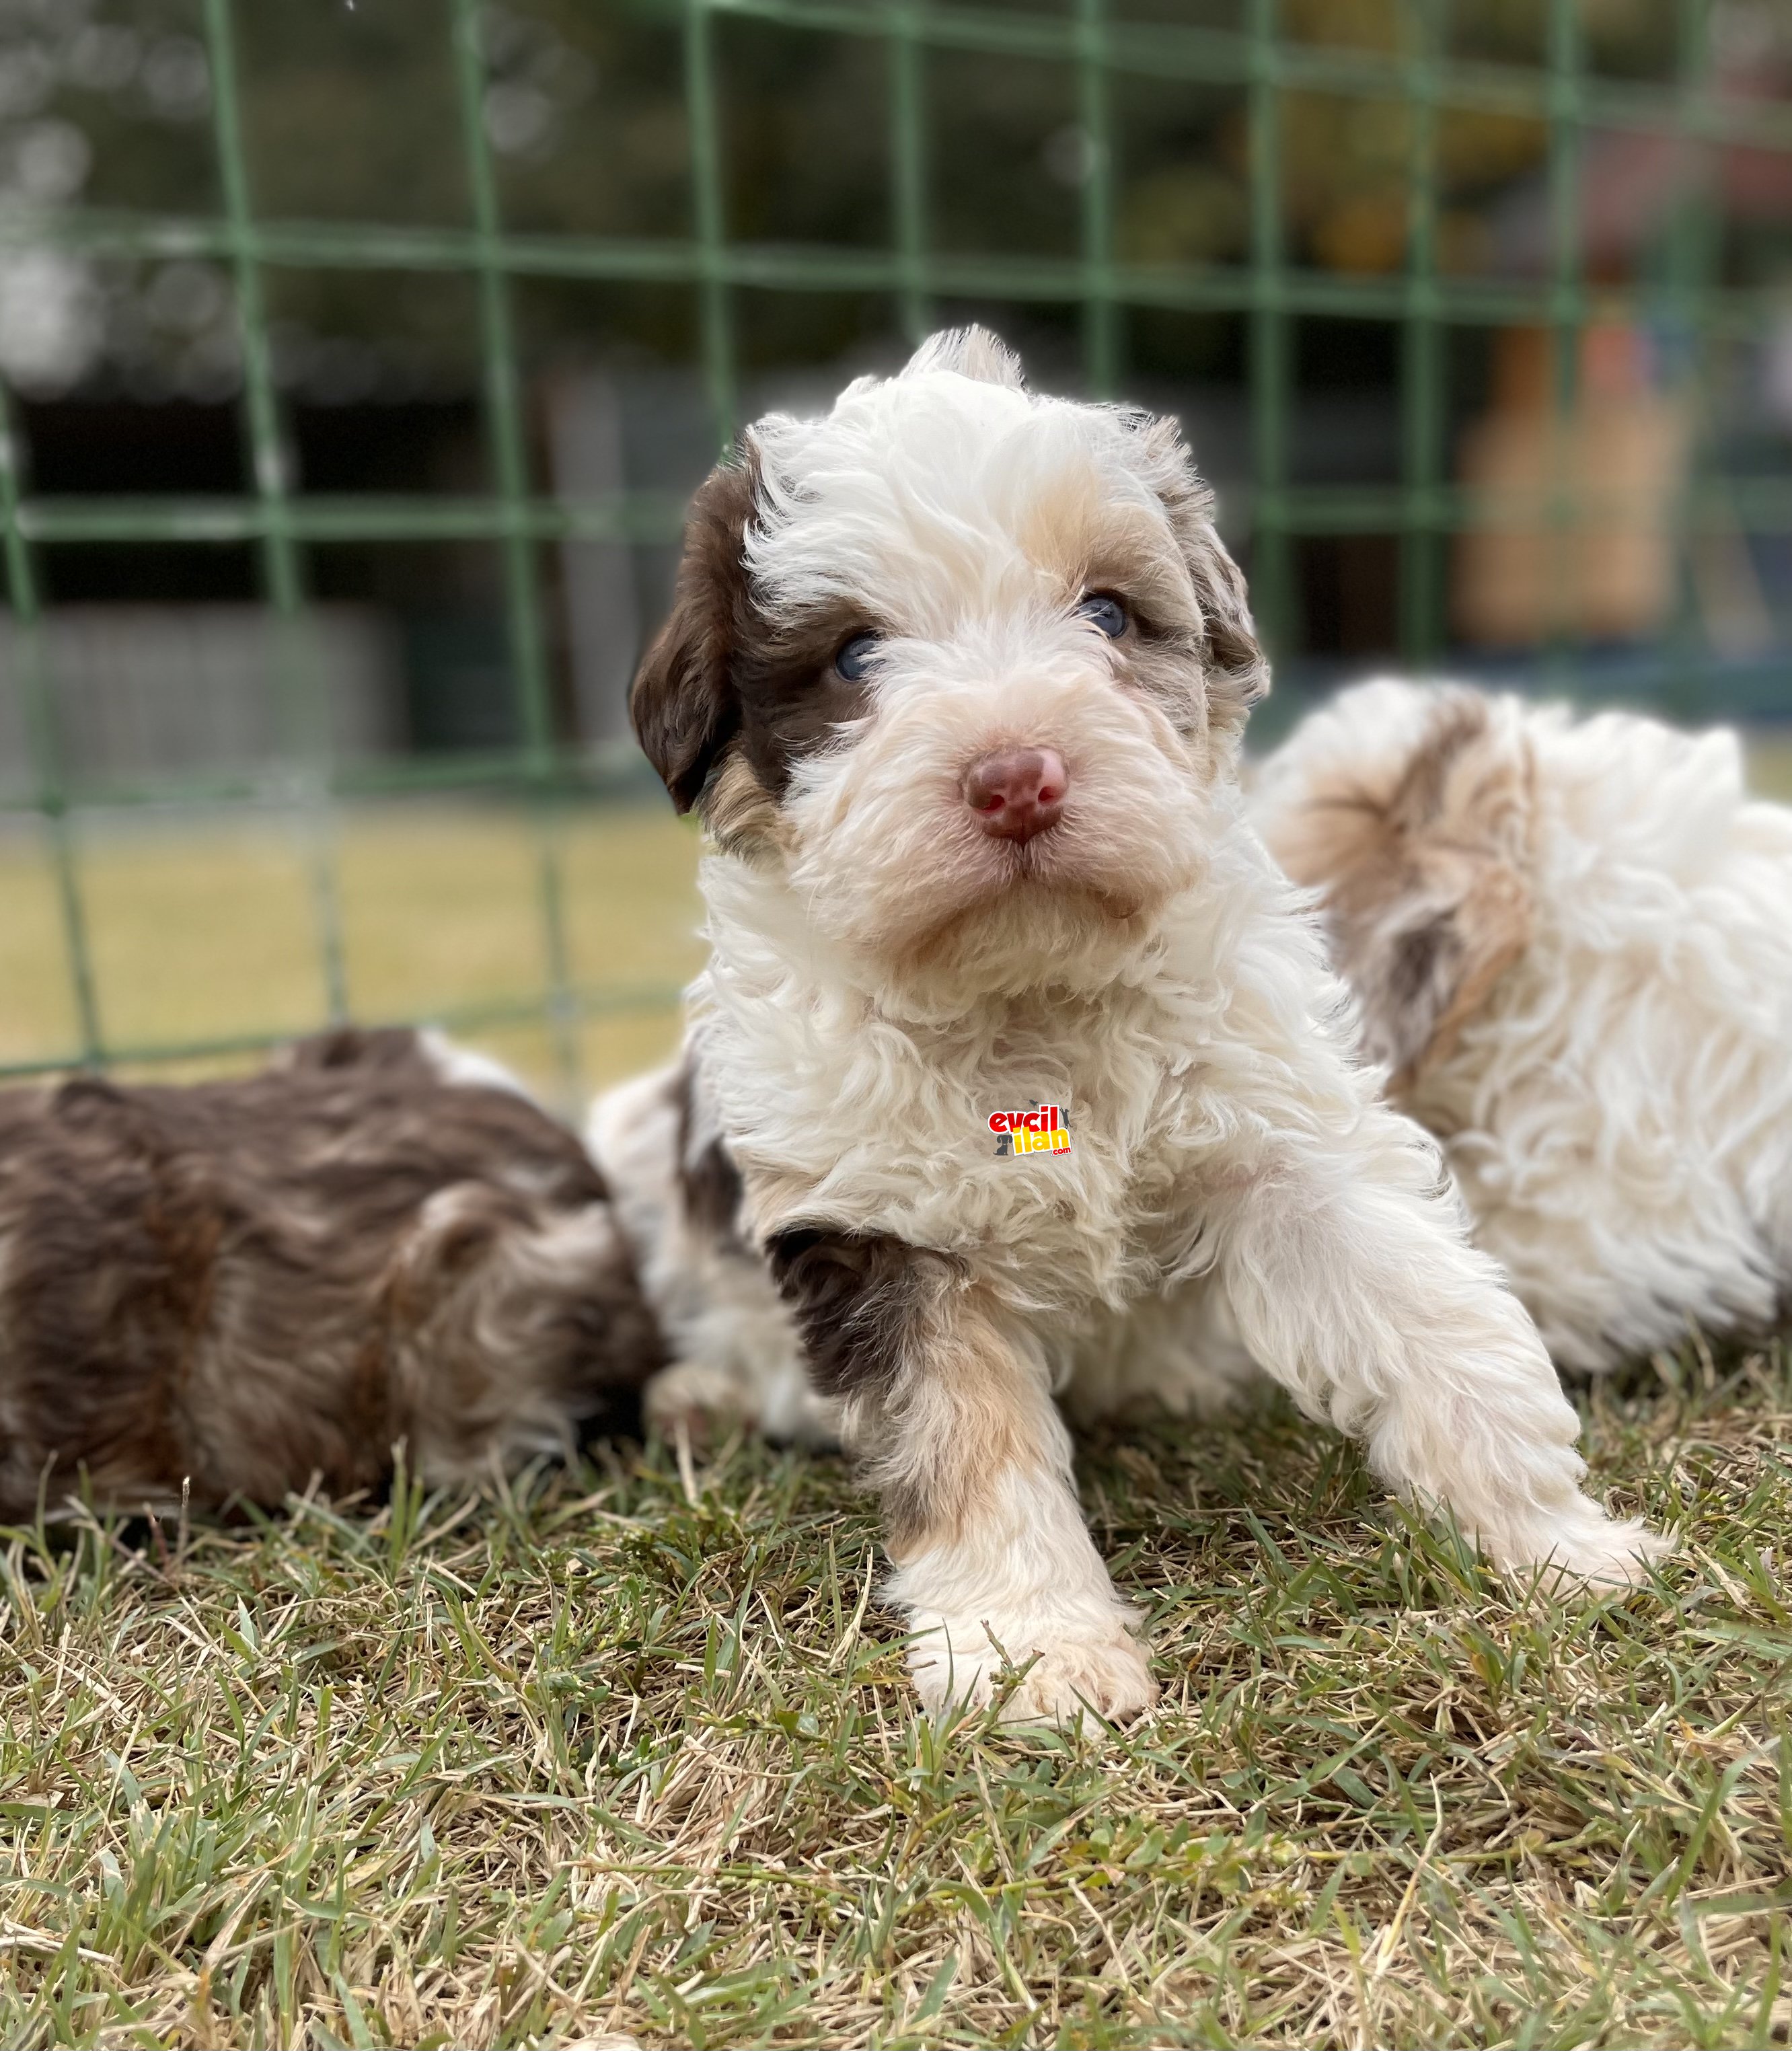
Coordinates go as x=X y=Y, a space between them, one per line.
x=205 y=929
x=627 y=1752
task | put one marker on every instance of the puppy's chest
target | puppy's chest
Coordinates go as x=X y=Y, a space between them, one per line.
x=1097 y=1195
x=1070 y=1166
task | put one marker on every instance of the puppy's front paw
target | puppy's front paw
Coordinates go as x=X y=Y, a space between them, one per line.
x=706 y=1401
x=1077 y=1667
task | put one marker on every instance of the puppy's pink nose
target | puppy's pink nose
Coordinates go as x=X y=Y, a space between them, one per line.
x=1018 y=793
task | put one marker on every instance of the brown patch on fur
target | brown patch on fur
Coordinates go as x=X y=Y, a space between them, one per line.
x=683 y=704
x=938 y=1403
x=953 y=1430
x=727 y=701
x=1426 y=883
x=708 y=1181
x=793 y=702
x=1094 y=545
x=241 y=1285
x=741 y=813
x=1204 y=671
x=1232 y=659
x=861 y=1300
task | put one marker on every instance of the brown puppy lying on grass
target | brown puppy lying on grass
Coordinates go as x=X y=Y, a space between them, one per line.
x=235 y=1287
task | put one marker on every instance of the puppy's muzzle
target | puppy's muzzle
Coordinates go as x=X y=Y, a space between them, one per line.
x=1018 y=793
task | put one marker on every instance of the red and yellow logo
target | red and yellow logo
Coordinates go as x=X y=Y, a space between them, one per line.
x=1045 y=1129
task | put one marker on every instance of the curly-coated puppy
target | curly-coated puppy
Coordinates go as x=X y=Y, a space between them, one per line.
x=1570 y=941
x=231 y=1287
x=1019 y=1039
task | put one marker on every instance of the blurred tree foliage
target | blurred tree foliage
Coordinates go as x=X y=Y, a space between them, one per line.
x=352 y=113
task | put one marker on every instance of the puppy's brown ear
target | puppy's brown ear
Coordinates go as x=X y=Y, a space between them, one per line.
x=1428 y=885
x=684 y=705
x=1235 y=668
x=972 y=352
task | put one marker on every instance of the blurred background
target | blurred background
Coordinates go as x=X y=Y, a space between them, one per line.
x=359 y=356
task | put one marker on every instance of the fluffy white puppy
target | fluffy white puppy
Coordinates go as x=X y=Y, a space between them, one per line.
x=955 y=676
x=1571 y=943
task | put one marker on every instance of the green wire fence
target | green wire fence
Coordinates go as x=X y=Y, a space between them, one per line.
x=1260 y=58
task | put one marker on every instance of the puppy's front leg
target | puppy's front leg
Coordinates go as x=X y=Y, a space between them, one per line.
x=948 y=1404
x=1352 y=1285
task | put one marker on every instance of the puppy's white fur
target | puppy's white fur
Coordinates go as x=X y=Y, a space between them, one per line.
x=884 y=975
x=1616 y=1106
x=737 y=1358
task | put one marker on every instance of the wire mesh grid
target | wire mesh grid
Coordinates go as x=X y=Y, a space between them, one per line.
x=1423 y=508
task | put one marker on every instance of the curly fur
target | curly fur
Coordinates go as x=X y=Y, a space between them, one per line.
x=230 y=1289
x=884 y=973
x=1611 y=1070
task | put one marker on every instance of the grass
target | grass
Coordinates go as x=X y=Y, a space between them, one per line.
x=205 y=930
x=626 y=1753
x=623 y=1751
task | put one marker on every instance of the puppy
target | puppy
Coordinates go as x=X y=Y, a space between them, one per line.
x=1571 y=944
x=236 y=1287
x=1019 y=1042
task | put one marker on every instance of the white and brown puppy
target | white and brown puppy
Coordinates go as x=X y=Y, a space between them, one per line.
x=955 y=676
x=1570 y=941
x=233 y=1287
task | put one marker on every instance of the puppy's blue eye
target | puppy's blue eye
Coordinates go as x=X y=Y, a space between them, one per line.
x=854 y=657
x=1103 y=610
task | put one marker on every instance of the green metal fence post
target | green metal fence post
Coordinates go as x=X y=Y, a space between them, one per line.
x=1421 y=371
x=1272 y=367
x=508 y=452
x=718 y=314
x=1101 y=311
x=1691 y=260
x=300 y=688
x=1564 y=577
x=909 y=171
x=44 y=740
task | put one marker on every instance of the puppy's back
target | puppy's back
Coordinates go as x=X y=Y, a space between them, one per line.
x=239 y=1284
x=1569 y=942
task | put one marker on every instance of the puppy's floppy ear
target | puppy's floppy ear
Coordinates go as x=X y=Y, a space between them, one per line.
x=684 y=705
x=1427 y=884
x=1236 y=669
x=972 y=352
